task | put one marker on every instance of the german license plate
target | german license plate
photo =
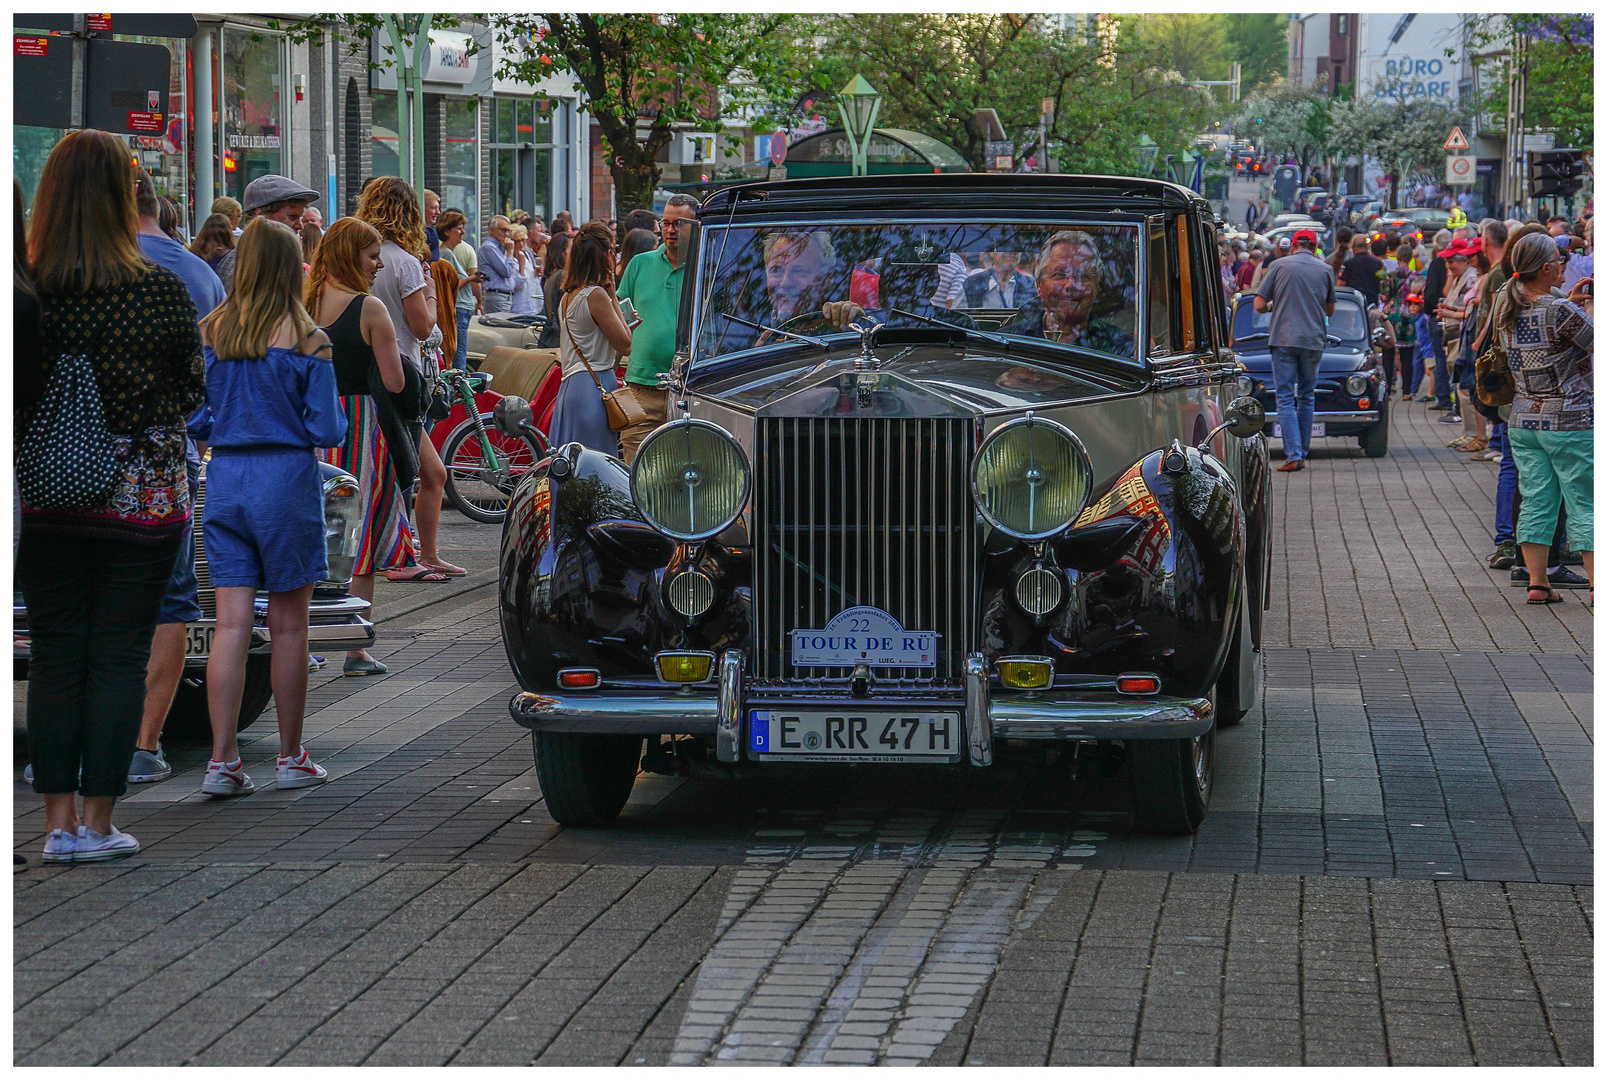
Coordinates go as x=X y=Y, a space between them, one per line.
x=1318 y=428
x=865 y=735
x=198 y=639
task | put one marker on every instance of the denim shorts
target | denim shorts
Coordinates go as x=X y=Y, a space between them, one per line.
x=264 y=525
x=182 y=602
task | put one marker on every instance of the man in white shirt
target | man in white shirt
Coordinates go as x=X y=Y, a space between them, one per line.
x=1002 y=286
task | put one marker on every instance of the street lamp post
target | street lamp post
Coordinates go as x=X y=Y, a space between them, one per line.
x=1145 y=151
x=859 y=103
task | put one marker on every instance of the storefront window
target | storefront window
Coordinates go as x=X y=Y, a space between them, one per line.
x=522 y=157
x=460 y=186
x=253 y=80
x=383 y=139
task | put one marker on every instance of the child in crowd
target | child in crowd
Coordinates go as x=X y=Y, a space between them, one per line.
x=271 y=388
x=1423 y=347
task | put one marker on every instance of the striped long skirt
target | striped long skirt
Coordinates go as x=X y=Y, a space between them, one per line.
x=387 y=537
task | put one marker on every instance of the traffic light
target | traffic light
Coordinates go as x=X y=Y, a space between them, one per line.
x=1555 y=172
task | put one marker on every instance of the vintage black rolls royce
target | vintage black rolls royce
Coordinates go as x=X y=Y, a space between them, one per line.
x=955 y=466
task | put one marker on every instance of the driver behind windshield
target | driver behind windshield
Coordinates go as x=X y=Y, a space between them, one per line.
x=1068 y=274
x=800 y=271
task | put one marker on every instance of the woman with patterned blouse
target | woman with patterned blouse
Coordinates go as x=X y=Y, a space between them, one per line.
x=93 y=579
x=1551 y=429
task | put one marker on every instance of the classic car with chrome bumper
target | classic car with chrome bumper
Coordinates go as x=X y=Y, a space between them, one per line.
x=926 y=537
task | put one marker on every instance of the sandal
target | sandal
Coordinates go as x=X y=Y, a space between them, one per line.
x=1475 y=446
x=415 y=573
x=444 y=567
x=1548 y=595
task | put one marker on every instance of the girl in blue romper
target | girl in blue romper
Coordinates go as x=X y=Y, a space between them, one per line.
x=264 y=515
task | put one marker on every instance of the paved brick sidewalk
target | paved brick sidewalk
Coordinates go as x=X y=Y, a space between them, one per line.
x=1396 y=868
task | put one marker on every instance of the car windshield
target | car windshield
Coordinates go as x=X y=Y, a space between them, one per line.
x=1347 y=323
x=1425 y=216
x=1070 y=284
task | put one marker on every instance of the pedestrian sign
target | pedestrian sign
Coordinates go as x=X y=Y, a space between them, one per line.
x=1456 y=141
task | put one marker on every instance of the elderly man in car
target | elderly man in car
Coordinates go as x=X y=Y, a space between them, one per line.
x=1068 y=274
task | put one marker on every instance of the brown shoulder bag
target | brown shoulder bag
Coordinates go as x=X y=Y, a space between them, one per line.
x=620 y=405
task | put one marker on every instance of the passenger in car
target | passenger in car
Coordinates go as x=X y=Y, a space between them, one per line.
x=1068 y=275
x=800 y=272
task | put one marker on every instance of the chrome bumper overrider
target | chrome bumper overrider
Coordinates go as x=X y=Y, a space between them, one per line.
x=989 y=713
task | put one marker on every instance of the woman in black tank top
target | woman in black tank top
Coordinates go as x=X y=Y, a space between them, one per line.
x=368 y=369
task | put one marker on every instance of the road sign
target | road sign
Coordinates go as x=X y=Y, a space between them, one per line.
x=1461 y=168
x=1000 y=155
x=1456 y=140
x=778 y=148
x=125 y=85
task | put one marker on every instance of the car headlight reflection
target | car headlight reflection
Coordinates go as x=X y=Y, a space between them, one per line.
x=343 y=522
x=1031 y=478
x=690 y=480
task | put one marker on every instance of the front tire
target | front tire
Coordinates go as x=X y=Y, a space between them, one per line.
x=188 y=718
x=1376 y=442
x=1172 y=781
x=586 y=779
x=469 y=493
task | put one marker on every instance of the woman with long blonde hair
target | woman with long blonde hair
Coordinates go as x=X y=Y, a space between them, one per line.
x=94 y=567
x=271 y=388
x=368 y=369
x=407 y=289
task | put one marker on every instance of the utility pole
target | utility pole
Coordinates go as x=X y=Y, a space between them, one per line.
x=80 y=61
x=409 y=92
x=1514 y=179
x=1046 y=113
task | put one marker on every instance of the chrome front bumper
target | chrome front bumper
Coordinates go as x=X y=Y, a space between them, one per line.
x=643 y=709
x=335 y=625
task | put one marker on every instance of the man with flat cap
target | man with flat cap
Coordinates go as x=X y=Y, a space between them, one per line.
x=271 y=196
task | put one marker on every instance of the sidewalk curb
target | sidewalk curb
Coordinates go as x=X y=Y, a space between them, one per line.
x=436 y=594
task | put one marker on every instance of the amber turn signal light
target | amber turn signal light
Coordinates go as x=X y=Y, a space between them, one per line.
x=580 y=678
x=1026 y=672
x=684 y=667
x=1138 y=682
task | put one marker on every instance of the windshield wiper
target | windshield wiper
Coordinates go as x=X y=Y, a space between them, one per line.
x=1248 y=337
x=995 y=338
x=784 y=333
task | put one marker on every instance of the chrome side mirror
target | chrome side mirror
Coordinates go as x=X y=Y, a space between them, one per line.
x=1245 y=417
x=1378 y=333
x=512 y=415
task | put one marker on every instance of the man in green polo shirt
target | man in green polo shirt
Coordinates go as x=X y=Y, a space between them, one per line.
x=652 y=282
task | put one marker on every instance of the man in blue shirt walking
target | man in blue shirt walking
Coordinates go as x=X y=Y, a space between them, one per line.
x=499 y=269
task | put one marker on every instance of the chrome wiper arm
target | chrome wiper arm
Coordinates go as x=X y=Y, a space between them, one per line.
x=824 y=344
x=983 y=334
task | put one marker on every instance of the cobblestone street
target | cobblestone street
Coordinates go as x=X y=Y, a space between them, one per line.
x=1396 y=867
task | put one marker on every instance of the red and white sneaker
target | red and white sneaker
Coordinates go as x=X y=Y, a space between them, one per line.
x=226 y=779
x=299 y=771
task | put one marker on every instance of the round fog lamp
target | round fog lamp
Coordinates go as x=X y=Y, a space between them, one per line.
x=691 y=593
x=1039 y=591
x=1031 y=478
x=1356 y=385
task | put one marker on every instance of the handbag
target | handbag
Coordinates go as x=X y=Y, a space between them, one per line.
x=68 y=460
x=1492 y=375
x=621 y=405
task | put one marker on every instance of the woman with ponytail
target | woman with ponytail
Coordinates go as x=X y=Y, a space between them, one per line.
x=1548 y=340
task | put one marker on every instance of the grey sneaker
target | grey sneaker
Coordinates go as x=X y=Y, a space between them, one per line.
x=147 y=767
x=93 y=847
x=60 y=846
x=27 y=774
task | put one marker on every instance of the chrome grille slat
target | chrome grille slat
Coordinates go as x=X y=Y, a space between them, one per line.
x=850 y=511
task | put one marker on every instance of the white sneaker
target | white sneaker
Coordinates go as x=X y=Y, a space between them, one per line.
x=146 y=767
x=60 y=846
x=93 y=847
x=300 y=771
x=226 y=780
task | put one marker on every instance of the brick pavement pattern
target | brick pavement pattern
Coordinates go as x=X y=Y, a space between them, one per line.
x=1396 y=868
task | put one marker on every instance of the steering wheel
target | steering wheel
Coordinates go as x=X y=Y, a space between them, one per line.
x=810 y=319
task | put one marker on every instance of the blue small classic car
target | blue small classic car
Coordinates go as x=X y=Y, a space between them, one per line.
x=1351 y=398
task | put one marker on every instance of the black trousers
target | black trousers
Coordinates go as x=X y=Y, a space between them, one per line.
x=92 y=607
x=1388 y=354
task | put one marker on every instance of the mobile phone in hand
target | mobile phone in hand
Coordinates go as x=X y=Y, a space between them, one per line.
x=628 y=310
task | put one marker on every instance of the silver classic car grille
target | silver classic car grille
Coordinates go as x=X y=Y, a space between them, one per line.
x=864 y=511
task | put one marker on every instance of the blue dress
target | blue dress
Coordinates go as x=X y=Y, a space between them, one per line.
x=264 y=516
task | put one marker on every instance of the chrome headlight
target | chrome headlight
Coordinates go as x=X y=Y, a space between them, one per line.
x=1031 y=478
x=343 y=523
x=690 y=479
x=1246 y=386
x=1356 y=385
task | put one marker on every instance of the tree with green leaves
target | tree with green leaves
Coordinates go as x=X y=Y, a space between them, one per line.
x=1289 y=118
x=1259 y=41
x=1560 y=68
x=935 y=71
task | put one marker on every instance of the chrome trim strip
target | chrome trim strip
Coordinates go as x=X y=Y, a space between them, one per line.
x=1342 y=416
x=635 y=713
x=1100 y=717
x=978 y=716
x=728 y=730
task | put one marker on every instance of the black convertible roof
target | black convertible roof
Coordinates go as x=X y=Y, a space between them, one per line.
x=969 y=192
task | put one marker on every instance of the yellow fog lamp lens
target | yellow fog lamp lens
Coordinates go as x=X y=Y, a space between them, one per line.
x=684 y=667
x=1026 y=672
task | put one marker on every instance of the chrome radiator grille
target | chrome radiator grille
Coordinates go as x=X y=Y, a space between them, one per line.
x=856 y=511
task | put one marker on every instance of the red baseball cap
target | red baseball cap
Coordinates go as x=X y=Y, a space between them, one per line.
x=1460 y=248
x=1413 y=298
x=1305 y=235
